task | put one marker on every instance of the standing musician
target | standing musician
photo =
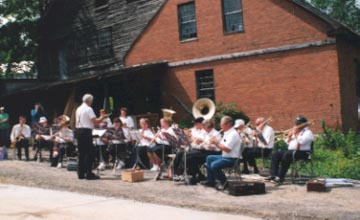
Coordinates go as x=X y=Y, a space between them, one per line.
x=197 y=156
x=196 y=135
x=127 y=121
x=299 y=145
x=63 y=139
x=117 y=140
x=20 y=135
x=156 y=153
x=43 y=132
x=85 y=122
x=264 y=143
x=230 y=145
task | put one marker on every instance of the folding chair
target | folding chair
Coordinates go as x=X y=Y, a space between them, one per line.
x=236 y=168
x=306 y=165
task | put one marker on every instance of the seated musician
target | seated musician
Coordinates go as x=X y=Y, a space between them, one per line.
x=20 y=135
x=196 y=135
x=264 y=143
x=299 y=144
x=162 y=144
x=117 y=140
x=106 y=120
x=141 y=150
x=230 y=145
x=127 y=121
x=64 y=140
x=197 y=156
x=102 y=154
x=43 y=134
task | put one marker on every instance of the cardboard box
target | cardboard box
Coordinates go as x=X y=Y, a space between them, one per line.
x=132 y=175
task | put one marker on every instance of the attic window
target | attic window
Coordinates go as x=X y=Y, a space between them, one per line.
x=100 y=3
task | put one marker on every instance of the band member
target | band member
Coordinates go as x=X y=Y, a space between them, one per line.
x=43 y=133
x=85 y=122
x=4 y=128
x=37 y=113
x=230 y=145
x=20 y=135
x=106 y=120
x=156 y=153
x=127 y=121
x=264 y=143
x=197 y=156
x=197 y=135
x=140 y=151
x=102 y=153
x=118 y=140
x=299 y=144
x=64 y=140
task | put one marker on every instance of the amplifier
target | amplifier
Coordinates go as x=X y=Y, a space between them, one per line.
x=237 y=188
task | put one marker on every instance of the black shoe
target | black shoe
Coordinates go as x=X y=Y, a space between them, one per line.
x=270 y=178
x=81 y=177
x=92 y=176
x=245 y=172
x=256 y=170
x=208 y=184
x=200 y=178
x=221 y=186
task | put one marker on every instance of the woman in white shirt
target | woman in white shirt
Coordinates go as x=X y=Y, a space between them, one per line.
x=127 y=121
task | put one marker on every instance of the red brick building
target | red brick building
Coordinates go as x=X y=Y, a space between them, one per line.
x=277 y=58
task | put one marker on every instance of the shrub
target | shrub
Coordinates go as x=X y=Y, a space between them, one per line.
x=229 y=109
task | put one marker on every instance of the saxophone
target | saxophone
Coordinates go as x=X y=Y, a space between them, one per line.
x=19 y=137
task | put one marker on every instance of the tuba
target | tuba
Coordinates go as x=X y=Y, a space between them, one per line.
x=204 y=107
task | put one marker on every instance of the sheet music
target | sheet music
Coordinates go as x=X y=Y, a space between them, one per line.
x=98 y=132
x=135 y=135
x=46 y=137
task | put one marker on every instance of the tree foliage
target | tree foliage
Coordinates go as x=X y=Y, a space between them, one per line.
x=344 y=11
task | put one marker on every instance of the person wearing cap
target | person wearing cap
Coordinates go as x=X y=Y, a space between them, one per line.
x=4 y=128
x=127 y=121
x=197 y=134
x=264 y=136
x=230 y=145
x=299 y=142
x=20 y=136
x=63 y=140
x=43 y=132
x=37 y=113
x=84 y=123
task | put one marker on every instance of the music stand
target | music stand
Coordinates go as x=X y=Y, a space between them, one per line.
x=136 y=136
x=98 y=133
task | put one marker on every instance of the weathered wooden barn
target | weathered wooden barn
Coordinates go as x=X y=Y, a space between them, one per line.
x=271 y=57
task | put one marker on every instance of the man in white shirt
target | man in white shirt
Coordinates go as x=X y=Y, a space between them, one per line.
x=127 y=121
x=64 y=140
x=299 y=142
x=264 y=144
x=20 y=135
x=230 y=145
x=85 y=122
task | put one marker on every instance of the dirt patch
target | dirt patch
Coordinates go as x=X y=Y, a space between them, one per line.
x=280 y=202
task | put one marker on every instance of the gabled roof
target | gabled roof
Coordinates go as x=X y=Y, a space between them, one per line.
x=334 y=24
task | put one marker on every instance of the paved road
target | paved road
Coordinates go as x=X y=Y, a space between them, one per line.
x=19 y=202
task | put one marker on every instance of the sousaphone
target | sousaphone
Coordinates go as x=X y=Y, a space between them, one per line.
x=205 y=108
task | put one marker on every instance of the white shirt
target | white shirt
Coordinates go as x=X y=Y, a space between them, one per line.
x=269 y=136
x=207 y=145
x=302 y=141
x=128 y=121
x=26 y=131
x=84 y=114
x=232 y=141
x=108 y=122
x=147 y=133
x=197 y=134
x=245 y=137
x=162 y=138
x=64 y=133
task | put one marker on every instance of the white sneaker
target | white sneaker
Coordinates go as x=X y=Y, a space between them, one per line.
x=122 y=164
x=119 y=166
x=101 y=166
x=155 y=168
x=59 y=166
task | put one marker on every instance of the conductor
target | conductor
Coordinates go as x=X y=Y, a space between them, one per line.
x=85 y=122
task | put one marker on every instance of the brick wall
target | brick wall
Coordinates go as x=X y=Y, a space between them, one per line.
x=267 y=23
x=283 y=85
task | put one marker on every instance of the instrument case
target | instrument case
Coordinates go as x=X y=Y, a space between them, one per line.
x=316 y=185
x=239 y=188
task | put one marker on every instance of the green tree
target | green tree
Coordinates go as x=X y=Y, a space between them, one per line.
x=344 y=11
x=18 y=31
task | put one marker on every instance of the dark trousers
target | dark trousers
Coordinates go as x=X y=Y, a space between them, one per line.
x=140 y=153
x=4 y=137
x=250 y=155
x=47 y=144
x=22 y=144
x=86 y=152
x=214 y=166
x=104 y=153
x=64 y=149
x=284 y=158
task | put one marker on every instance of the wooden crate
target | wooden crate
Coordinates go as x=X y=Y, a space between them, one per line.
x=132 y=175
